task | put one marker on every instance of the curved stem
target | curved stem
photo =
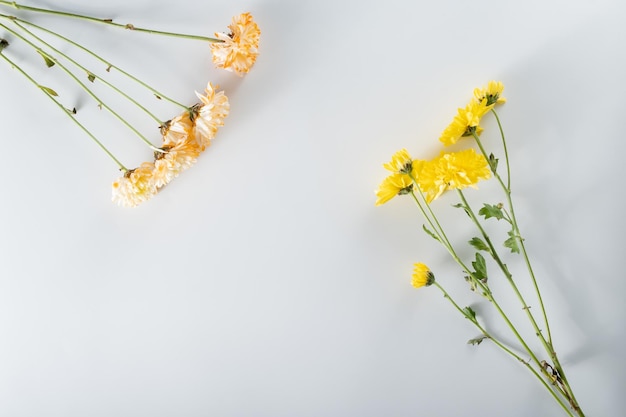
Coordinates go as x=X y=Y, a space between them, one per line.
x=504 y=348
x=25 y=74
x=109 y=65
x=107 y=22
x=87 y=89
x=89 y=73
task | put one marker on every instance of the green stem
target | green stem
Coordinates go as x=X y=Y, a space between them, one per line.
x=109 y=65
x=88 y=72
x=507 y=192
x=505 y=349
x=107 y=22
x=547 y=344
x=506 y=152
x=24 y=73
x=87 y=89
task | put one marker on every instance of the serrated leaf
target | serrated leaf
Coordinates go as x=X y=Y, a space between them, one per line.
x=480 y=266
x=429 y=233
x=488 y=211
x=479 y=244
x=46 y=58
x=49 y=90
x=469 y=313
x=476 y=341
x=91 y=77
x=512 y=242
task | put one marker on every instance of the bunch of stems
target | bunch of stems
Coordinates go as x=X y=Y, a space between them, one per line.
x=549 y=371
x=30 y=34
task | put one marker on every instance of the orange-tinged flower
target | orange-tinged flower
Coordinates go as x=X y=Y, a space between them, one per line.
x=239 y=49
x=449 y=171
x=135 y=186
x=209 y=115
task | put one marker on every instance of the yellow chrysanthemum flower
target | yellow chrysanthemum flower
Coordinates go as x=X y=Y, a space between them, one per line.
x=449 y=171
x=422 y=276
x=209 y=115
x=492 y=93
x=239 y=48
x=402 y=163
x=135 y=186
x=466 y=122
x=393 y=185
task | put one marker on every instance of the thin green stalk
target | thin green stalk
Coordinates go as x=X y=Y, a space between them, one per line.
x=506 y=152
x=486 y=291
x=434 y=223
x=107 y=22
x=548 y=345
x=87 y=89
x=505 y=270
x=25 y=74
x=89 y=73
x=507 y=192
x=109 y=65
x=505 y=349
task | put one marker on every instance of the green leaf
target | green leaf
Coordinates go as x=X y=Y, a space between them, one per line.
x=476 y=341
x=46 y=58
x=469 y=313
x=493 y=162
x=461 y=206
x=480 y=267
x=431 y=234
x=488 y=211
x=91 y=77
x=512 y=242
x=49 y=90
x=479 y=244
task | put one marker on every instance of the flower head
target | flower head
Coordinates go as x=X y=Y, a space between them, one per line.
x=209 y=115
x=135 y=186
x=493 y=93
x=393 y=185
x=449 y=171
x=422 y=276
x=466 y=122
x=239 y=48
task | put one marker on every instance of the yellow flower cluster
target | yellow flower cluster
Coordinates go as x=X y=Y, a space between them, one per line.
x=184 y=138
x=239 y=49
x=449 y=171
x=467 y=120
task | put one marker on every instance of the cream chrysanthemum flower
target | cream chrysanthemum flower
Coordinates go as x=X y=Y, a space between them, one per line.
x=180 y=149
x=449 y=171
x=493 y=93
x=209 y=115
x=422 y=276
x=239 y=48
x=135 y=186
x=466 y=122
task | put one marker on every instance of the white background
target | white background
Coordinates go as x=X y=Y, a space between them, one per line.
x=264 y=281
